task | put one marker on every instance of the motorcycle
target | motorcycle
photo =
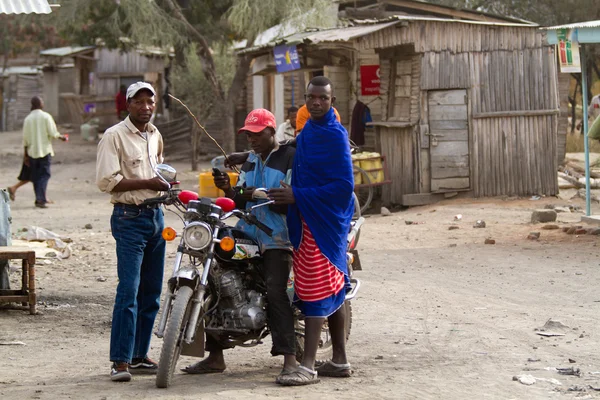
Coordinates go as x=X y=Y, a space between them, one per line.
x=216 y=287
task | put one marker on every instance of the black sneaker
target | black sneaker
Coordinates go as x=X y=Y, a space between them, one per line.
x=120 y=372
x=143 y=366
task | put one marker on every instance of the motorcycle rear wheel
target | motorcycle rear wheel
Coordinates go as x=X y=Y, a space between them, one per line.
x=325 y=349
x=171 y=348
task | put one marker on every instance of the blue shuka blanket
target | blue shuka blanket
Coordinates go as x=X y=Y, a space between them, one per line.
x=323 y=182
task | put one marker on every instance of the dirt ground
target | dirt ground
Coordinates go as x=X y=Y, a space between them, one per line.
x=440 y=315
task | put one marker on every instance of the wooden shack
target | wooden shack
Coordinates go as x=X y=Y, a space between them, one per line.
x=468 y=102
x=82 y=82
x=467 y=106
x=18 y=84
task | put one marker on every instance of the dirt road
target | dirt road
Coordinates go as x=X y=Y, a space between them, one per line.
x=440 y=315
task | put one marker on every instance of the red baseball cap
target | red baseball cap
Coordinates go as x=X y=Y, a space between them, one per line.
x=258 y=120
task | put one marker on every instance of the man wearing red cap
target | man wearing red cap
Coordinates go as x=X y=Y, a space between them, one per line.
x=267 y=166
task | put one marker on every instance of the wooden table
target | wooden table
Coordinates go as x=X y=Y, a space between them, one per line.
x=26 y=295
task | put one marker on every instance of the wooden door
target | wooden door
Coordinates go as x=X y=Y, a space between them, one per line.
x=449 y=140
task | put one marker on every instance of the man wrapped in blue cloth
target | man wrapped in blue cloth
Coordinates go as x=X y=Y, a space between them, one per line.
x=319 y=215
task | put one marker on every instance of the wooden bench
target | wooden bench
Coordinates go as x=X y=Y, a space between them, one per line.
x=26 y=295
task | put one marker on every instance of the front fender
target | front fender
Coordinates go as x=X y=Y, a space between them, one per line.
x=187 y=276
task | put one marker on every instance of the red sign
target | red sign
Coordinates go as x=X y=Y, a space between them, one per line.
x=369 y=80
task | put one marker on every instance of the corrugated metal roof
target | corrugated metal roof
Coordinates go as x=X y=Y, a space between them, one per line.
x=363 y=28
x=588 y=24
x=68 y=51
x=24 y=7
x=21 y=70
x=325 y=35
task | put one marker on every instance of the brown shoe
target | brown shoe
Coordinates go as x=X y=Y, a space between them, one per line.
x=41 y=205
x=120 y=372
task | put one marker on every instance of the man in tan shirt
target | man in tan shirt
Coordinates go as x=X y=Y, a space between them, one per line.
x=127 y=156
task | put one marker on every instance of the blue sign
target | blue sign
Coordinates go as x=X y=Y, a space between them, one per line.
x=286 y=58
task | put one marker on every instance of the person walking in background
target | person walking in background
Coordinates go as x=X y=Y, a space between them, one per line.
x=39 y=129
x=121 y=103
x=127 y=155
x=24 y=178
x=287 y=130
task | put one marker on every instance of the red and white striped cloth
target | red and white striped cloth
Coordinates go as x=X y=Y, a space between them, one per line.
x=315 y=277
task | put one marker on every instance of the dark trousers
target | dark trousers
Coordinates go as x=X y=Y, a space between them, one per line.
x=277 y=265
x=40 y=175
x=140 y=265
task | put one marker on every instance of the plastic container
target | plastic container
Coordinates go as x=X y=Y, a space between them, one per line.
x=206 y=184
x=357 y=175
x=372 y=161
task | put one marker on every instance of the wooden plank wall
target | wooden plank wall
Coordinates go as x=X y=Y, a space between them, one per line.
x=514 y=153
x=514 y=81
x=444 y=70
x=23 y=88
x=514 y=156
x=132 y=62
x=374 y=102
x=405 y=75
x=399 y=147
x=339 y=76
x=297 y=83
x=455 y=36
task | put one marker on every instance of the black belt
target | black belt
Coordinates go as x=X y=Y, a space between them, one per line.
x=136 y=207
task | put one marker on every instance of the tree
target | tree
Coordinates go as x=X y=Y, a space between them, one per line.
x=26 y=35
x=202 y=25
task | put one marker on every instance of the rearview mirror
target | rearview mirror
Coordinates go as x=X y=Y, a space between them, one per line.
x=260 y=194
x=166 y=173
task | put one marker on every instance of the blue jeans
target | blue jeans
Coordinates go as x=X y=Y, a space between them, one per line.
x=140 y=266
x=40 y=175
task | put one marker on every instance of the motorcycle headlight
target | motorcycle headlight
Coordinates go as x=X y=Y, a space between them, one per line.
x=197 y=235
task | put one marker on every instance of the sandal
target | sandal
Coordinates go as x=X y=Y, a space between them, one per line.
x=11 y=194
x=300 y=377
x=281 y=375
x=334 y=370
x=201 y=367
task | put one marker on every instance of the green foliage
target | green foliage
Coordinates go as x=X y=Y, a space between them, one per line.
x=543 y=12
x=139 y=22
x=190 y=85
x=250 y=17
x=27 y=34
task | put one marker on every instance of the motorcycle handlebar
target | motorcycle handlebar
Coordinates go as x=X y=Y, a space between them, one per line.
x=251 y=219
x=164 y=199
x=260 y=225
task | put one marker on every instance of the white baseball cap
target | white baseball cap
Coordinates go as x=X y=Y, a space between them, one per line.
x=136 y=87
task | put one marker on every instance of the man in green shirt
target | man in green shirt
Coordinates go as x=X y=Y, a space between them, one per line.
x=38 y=131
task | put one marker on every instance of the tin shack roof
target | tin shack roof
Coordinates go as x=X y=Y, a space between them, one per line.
x=581 y=32
x=362 y=28
x=25 y=7
x=69 y=51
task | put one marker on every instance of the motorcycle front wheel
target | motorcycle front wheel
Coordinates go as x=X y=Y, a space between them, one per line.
x=325 y=349
x=171 y=348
